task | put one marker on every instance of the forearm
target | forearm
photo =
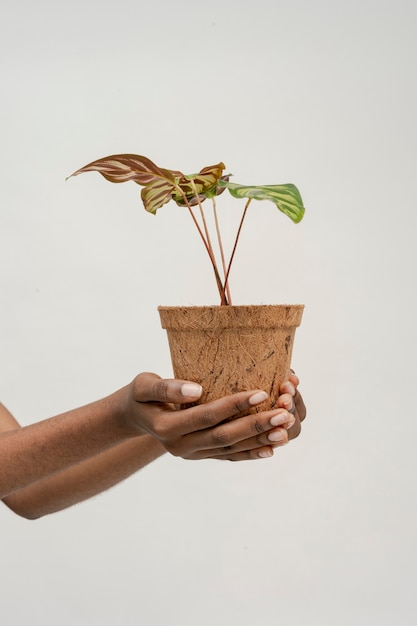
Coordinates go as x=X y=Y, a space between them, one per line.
x=63 y=460
x=86 y=479
x=39 y=451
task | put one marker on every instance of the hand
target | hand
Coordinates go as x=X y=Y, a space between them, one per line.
x=207 y=430
x=291 y=400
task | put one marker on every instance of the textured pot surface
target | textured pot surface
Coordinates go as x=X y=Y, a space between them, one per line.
x=232 y=348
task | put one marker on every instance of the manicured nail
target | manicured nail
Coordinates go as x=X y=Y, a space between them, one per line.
x=264 y=454
x=290 y=422
x=279 y=419
x=276 y=436
x=191 y=390
x=258 y=397
x=291 y=389
x=288 y=406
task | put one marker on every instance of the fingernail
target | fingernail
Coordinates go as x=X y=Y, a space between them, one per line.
x=290 y=422
x=291 y=389
x=264 y=454
x=276 y=436
x=278 y=419
x=258 y=397
x=191 y=390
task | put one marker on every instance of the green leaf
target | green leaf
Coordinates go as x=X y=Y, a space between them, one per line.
x=156 y=194
x=205 y=184
x=286 y=197
x=206 y=180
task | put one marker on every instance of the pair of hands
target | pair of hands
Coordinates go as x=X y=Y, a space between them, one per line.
x=209 y=430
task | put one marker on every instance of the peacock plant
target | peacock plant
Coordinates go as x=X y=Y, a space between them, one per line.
x=161 y=185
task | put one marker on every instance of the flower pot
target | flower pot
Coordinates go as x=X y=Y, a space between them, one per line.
x=232 y=348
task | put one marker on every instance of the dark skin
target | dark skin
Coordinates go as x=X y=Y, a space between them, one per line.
x=207 y=434
x=58 y=462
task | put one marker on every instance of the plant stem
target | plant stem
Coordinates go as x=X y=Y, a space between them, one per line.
x=223 y=298
x=219 y=239
x=203 y=217
x=235 y=244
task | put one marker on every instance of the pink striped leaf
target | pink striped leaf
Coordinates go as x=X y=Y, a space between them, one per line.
x=160 y=185
x=120 y=168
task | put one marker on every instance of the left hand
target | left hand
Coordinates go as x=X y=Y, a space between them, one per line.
x=291 y=400
x=207 y=430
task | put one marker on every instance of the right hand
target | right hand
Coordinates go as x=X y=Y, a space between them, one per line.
x=207 y=430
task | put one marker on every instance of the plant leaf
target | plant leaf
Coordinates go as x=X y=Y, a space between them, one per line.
x=159 y=183
x=119 y=168
x=205 y=183
x=286 y=197
x=156 y=194
x=206 y=180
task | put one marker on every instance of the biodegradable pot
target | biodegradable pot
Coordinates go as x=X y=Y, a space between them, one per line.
x=232 y=348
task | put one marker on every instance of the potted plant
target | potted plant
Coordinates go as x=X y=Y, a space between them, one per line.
x=225 y=348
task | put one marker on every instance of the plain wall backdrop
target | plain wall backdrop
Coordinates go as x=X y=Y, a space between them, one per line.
x=321 y=94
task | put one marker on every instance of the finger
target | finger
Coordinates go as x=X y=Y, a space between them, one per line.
x=274 y=439
x=286 y=401
x=245 y=433
x=287 y=387
x=293 y=378
x=249 y=449
x=248 y=455
x=300 y=408
x=260 y=452
x=206 y=416
x=177 y=427
x=295 y=429
x=152 y=388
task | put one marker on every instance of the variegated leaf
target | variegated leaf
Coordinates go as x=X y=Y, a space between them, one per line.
x=204 y=183
x=164 y=184
x=120 y=168
x=206 y=179
x=156 y=194
x=286 y=197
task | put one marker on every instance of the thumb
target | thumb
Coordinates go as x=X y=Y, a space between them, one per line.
x=150 y=387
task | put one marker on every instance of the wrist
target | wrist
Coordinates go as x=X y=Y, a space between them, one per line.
x=127 y=411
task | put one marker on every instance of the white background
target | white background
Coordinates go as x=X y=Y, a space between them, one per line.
x=322 y=94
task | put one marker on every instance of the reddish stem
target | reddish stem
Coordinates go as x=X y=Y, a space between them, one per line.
x=219 y=239
x=223 y=298
x=235 y=244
